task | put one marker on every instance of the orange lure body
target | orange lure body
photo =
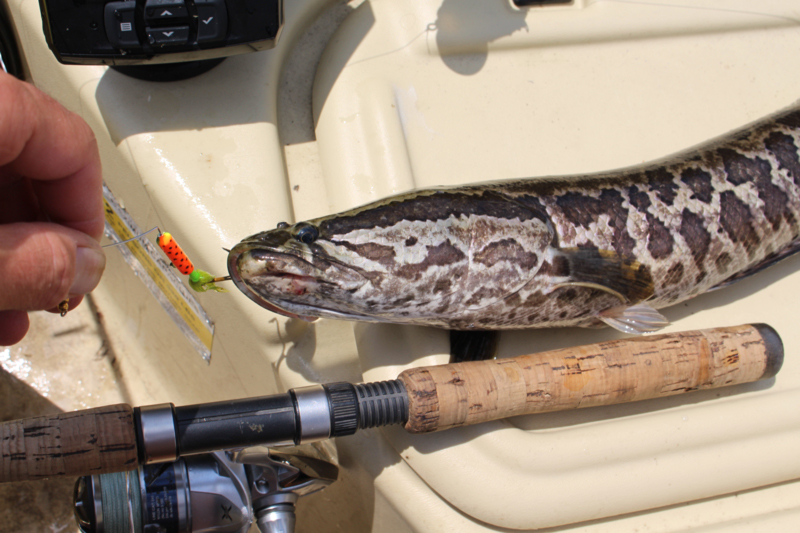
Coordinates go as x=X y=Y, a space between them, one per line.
x=175 y=253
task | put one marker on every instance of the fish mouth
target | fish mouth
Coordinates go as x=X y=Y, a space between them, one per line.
x=236 y=276
x=279 y=306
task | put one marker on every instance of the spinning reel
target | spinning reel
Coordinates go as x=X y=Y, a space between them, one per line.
x=223 y=492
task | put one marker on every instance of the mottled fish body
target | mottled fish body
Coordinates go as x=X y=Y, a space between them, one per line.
x=566 y=251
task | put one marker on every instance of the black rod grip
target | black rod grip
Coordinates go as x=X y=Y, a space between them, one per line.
x=382 y=403
x=267 y=420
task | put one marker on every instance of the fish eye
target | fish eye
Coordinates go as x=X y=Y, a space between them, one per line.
x=306 y=233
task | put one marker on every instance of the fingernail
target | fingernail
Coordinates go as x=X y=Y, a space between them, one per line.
x=89 y=265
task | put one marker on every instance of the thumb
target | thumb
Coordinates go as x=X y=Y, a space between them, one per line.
x=41 y=264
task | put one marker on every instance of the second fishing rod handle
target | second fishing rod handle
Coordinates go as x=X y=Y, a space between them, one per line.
x=442 y=397
x=92 y=441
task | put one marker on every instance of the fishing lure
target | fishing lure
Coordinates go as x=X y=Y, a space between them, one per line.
x=175 y=253
x=199 y=280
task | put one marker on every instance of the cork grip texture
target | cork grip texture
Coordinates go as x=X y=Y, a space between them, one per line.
x=92 y=441
x=441 y=397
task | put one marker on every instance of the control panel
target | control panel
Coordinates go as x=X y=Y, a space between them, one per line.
x=131 y=32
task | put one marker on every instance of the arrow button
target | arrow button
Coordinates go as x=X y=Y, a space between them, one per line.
x=157 y=11
x=174 y=35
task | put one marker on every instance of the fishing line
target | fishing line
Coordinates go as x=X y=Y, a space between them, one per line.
x=131 y=239
x=63 y=306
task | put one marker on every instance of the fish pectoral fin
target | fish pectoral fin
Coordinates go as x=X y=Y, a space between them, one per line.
x=634 y=319
x=606 y=270
x=625 y=278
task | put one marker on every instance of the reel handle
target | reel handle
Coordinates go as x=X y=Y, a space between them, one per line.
x=93 y=441
x=625 y=370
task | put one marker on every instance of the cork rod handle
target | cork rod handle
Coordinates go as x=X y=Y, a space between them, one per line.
x=92 y=441
x=442 y=397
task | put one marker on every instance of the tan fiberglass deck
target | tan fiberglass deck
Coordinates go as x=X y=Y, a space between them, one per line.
x=416 y=93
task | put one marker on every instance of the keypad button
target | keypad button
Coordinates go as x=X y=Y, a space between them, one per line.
x=156 y=11
x=172 y=35
x=212 y=20
x=120 y=24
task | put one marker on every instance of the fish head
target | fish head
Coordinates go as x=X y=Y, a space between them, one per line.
x=289 y=271
x=423 y=259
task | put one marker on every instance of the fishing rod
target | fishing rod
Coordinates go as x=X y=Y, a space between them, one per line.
x=241 y=440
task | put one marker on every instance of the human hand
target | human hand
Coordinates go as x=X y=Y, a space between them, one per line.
x=51 y=210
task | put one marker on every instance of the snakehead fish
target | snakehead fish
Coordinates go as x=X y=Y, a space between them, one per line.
x=562 y=251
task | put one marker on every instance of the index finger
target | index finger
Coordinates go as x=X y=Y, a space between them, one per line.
x=56 y=149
